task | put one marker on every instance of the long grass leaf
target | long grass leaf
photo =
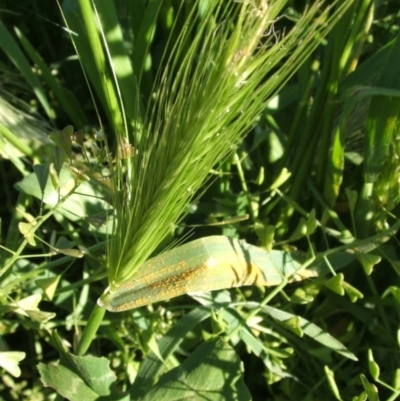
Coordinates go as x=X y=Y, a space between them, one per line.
x=65 y=97
x=13 y=51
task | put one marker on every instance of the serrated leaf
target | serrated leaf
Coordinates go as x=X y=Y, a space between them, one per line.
x=81 y=378
x=9 y=362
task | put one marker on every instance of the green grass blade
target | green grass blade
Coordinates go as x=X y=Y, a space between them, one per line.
x=82 y=19
x=311 y=330
x=152 y=367
x=13 y=51
x=65 y=97
x=124 y=74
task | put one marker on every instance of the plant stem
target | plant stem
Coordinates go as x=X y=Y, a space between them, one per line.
x=90 y=330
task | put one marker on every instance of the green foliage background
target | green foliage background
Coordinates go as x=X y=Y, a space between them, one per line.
x=318 y=170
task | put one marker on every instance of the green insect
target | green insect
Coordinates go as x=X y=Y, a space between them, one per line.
x=206 y=264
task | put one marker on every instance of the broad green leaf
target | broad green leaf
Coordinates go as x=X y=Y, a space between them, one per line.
x=9 y=361
x=81 y=378
x=213 y=371
x=207 y=264
x=218 y=262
